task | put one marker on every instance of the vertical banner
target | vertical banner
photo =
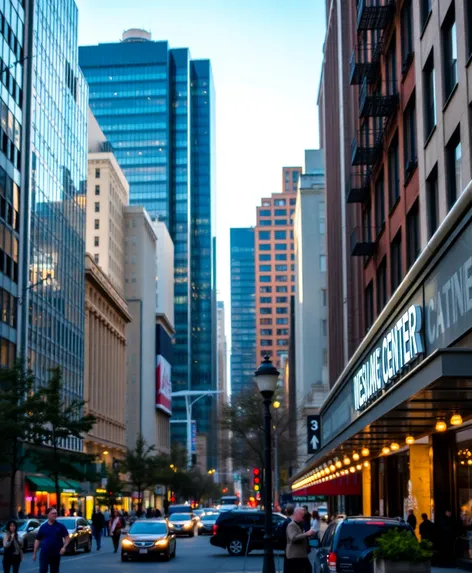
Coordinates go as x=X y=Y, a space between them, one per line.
x=163 y=385
x=194 y=437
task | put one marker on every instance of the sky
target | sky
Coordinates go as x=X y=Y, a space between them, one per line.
x=266 y=57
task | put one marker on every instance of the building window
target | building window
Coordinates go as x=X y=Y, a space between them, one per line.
x=97 y=224
x=281 y=268
x=279 y=202
x=381 y=285
x=409 y=135
x=265 y=310
x=96 y=241
x=264 y=235
x=280 y=247
x=96 y=258
x=264 y=247
x=429 y=86
x=280 y=212
x=264 y=257
x=454 y=168
x=280 y=221
x=281 y=257
x=322 y=219
x=280 y=235
x=281 y=310
x=264 y=268
x=281 y=289
x=324 y=299
x=265 y=289
x=380 y=203
x=367 y=224
x=266 y=342
x=282 y=332
x=97 y=206
x=324 y=327
x=97 y=173
x=396 y=261
x=264 y=213
x=412 y=235
x=265 y=321
x=265 y=222
x=391 y=68
x=97 y=189
x=432 y=202
x=393 y=173
x=265 y=300
x=449 y=45
x=369 y=305
x=281 y=299
x=425 y=9
x=264 y=279
x=266 y=332
x=323 y=263
x=281 y=321
x=407 y=35
x=281 y=278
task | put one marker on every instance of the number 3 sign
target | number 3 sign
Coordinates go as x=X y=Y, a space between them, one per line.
x=313 y=433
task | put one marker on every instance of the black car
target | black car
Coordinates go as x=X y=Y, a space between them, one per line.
x=242 y=531
x=80 y=533
x=348 y=544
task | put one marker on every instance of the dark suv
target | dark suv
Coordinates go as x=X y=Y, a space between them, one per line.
x=241 y=531
x=348 y=544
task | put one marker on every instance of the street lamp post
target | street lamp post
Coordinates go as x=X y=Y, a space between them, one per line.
x=266 y=377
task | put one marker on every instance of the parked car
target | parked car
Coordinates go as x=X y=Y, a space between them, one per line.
x=207 y=521
x=348 y=543
x=27 y=530
x=183 y=524
x=149 y=538
x=80 y=533
x=242 y=531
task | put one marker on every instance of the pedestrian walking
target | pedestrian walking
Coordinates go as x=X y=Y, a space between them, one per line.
x=297 y=549
x=115 y=529
x=315 y=523
x=411 y=519
x=427 y=529
x=306 y=518
x=12 y=553
x=106 y=529
x=53 y=539
x=98 y=525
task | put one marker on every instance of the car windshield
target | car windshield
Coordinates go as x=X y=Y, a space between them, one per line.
x=180 y=516
x=67 y=522
x=148 y=528
x=211 y=517
x=361 y=536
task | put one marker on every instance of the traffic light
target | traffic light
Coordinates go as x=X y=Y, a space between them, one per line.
x=257 y=479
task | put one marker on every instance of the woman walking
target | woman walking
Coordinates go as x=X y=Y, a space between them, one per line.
x=315 y=523
x=116 y=524
x=12 y=553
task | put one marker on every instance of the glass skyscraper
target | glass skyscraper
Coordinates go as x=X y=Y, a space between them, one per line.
x=156 y=107
x=54 y=189
x=12 y=213
x=243 y=309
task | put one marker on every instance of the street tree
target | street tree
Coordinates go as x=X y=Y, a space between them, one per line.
x=113 y=486
x=63 y=419
x=142 y=466
x=20 y=422
x=244 y=418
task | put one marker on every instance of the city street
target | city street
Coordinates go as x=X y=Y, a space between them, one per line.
x=193 y=554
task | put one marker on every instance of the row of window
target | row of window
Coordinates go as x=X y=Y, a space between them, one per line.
x=268 y=299
x=268 y=321
x=277 y=257
x=279 y=202
x=269 y=342
x=281 y=268
x=278 y=278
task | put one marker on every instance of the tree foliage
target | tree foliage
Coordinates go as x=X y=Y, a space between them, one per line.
x=61 y=420
x=20 y=422
x=244 y=418
x=113 y=488
x=142 y=466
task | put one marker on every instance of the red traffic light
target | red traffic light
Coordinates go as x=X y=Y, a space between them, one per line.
x=256 y=472
x=257 y=480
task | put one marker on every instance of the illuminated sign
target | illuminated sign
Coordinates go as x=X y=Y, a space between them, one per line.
x=395 y=351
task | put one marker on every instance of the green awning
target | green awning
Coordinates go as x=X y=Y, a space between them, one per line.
x=72 y=484
x=41 y=484
x=47 y=484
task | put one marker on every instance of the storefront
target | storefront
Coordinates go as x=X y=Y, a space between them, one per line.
x=40 y=493
x=400 y=415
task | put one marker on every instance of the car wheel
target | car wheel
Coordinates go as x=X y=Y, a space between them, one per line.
x=166 y=556
x=236 y=547
x=123 y=558
x=73 y=548
x=88 y=547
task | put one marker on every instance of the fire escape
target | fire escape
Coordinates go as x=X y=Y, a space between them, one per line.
x=378 y=101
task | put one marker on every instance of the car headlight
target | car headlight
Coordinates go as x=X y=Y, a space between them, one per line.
x=200 y=524
x=126 y=543
x=188 y=524
x=170 y=524
x=161 y=543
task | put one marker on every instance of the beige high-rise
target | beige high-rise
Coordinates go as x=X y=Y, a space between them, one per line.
x=106 y=308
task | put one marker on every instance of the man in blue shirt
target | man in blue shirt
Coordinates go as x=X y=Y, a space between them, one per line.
x=53 y=538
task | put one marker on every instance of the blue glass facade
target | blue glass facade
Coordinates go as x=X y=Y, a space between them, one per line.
x=243 y=309
x=12 y=26
x=57 y=149
x=156 y=107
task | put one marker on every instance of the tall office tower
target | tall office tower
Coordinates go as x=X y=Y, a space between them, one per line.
x=275 y=269
x=12 y=204
x=156 y=107
x=243 y=309
x=310 y=305
x=55 y=171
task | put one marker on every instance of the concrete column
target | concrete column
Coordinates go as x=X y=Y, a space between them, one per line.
x=419 y=486
x=366 y=491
